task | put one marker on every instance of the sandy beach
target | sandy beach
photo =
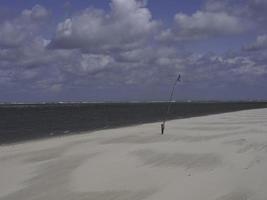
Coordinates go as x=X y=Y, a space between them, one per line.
x=216 y=157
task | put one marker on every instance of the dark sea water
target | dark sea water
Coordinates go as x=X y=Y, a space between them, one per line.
x=27 y=122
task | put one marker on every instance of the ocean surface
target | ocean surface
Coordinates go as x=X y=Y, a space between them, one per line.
x=23 y=122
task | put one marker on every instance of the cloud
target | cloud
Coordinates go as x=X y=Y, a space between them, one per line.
x=95 y=52
x=259 y=44
x=256 y=11
x=126 y=26
x=249 y=10
x=16 y=31
x=11 y=35
x=201 y=25
x=227 y=71
x=38 y=12
x=216 y=19
x=207 y=24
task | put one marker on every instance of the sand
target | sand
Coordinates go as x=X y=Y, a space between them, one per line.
x=216 y=157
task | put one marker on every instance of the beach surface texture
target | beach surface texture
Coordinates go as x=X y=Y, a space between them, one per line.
x=216 y=157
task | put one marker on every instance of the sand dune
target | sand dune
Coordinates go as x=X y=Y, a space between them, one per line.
x=216 y=157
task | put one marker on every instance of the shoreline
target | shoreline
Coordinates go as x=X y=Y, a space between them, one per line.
x=220 y=157
x=69 y=133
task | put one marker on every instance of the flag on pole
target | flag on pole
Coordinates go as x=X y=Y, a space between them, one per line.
x=169 y=105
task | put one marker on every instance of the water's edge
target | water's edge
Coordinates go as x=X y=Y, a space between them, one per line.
x=29 y=122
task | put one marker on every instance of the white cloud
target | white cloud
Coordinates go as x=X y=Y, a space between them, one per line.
x=250 y=11
x=94 y=63
x=201 y=25
x=259 y=44
x=128 y=25
x=205 y=24
x=38 y=12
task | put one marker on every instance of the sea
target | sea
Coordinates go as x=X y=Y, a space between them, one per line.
x=25 y=122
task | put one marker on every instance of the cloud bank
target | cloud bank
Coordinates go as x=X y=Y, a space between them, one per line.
x=124 y=53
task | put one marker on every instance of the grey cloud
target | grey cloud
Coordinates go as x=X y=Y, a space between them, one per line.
x=16 y=31
x=62 y=70
x=226 y=71
x=30 y=65
x=12 y=34
x=256 y=10
x=259 y=44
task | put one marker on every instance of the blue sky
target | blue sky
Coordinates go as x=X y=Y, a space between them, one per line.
x=131 y=50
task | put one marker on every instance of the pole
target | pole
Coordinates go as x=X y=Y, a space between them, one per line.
x=169 y=105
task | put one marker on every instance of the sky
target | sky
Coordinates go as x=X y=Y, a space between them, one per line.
x=132 y=50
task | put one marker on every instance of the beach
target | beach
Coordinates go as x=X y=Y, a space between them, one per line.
x=215 y=157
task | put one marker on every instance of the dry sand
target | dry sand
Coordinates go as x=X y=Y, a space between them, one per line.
x=217 y=157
